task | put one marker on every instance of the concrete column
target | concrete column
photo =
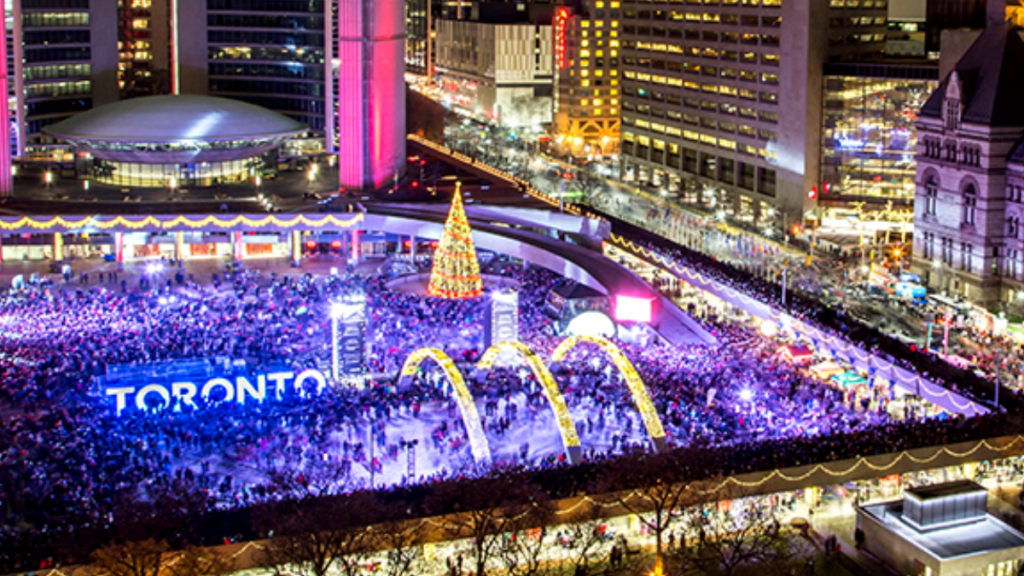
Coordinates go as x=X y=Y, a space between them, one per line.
x=1 y=252
x=296 y=242
x=412 y=249
x=356 y=246
x=237 y=246
x=58 y=247
x=119 y=250
x=179 y=248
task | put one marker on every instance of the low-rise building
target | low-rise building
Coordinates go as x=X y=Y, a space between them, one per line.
x=496 y=67
x=941 y=530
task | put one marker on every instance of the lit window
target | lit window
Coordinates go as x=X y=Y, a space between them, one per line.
x=140 y=24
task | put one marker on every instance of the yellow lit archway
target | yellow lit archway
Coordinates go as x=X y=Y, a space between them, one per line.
x=570 y=439
x=641 y=397
x=470 y=417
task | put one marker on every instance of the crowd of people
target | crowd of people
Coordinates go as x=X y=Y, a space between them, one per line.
x=68 y=461
x=833 y=320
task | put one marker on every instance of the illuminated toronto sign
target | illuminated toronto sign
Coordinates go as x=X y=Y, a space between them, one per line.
x=249 y=389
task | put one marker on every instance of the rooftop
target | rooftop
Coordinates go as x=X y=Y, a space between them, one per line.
x=991 y=81
x=175 y=119
x=986 y=535
x=945 y=490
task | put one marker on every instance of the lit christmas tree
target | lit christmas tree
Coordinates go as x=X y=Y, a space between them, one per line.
x=456 y=272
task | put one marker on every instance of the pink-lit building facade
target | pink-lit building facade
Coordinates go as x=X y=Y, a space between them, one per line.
x=367 y=91
x=335 y=65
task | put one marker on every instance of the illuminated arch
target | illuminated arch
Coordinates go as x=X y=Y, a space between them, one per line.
x=570 y=439
x=470 y=417
x=641 y=397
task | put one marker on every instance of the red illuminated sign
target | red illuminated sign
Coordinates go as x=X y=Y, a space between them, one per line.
x=561 y=23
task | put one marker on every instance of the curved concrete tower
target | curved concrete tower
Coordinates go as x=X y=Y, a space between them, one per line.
x=369 y=64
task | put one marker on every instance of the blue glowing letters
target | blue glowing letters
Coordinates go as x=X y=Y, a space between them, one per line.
x=220 y=390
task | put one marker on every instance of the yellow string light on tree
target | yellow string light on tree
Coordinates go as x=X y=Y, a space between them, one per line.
x=456 y=272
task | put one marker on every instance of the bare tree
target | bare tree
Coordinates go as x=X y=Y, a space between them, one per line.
x=317 y=535
x=586 y=540
x=728 y=542
x=523 y=552
x=402 y=541
x=195 y=561
x=140 y=558
x=488 y=508
x=649 y=489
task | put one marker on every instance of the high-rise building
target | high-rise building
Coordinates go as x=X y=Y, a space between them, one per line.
x=498 y=66
x=143 y=47
x=869 y=140
x=722 y=100
x=420 y=26
x=266 y=52
x=66 y=61
x=586 y=46
x=968 y=210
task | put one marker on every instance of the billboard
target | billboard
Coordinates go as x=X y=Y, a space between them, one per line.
x=633 y=309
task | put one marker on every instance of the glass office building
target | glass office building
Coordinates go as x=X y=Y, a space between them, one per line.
x=869 y=141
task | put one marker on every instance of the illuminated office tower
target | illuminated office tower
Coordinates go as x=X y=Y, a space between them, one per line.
x=265 y=52
x=586 y=76
x=722 y=99
x=143 y=47
x=66 y=61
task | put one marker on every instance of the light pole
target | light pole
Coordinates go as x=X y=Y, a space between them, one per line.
x=945 y=331
x=337 y=309
x=785 y=264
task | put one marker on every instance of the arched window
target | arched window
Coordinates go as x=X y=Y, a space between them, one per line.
x=931 y=195
x=970 y=205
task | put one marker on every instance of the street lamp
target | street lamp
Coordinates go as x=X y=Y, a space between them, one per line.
x=337 y=311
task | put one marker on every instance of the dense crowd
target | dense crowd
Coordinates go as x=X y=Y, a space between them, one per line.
x=832 y=320
x=67 y=462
